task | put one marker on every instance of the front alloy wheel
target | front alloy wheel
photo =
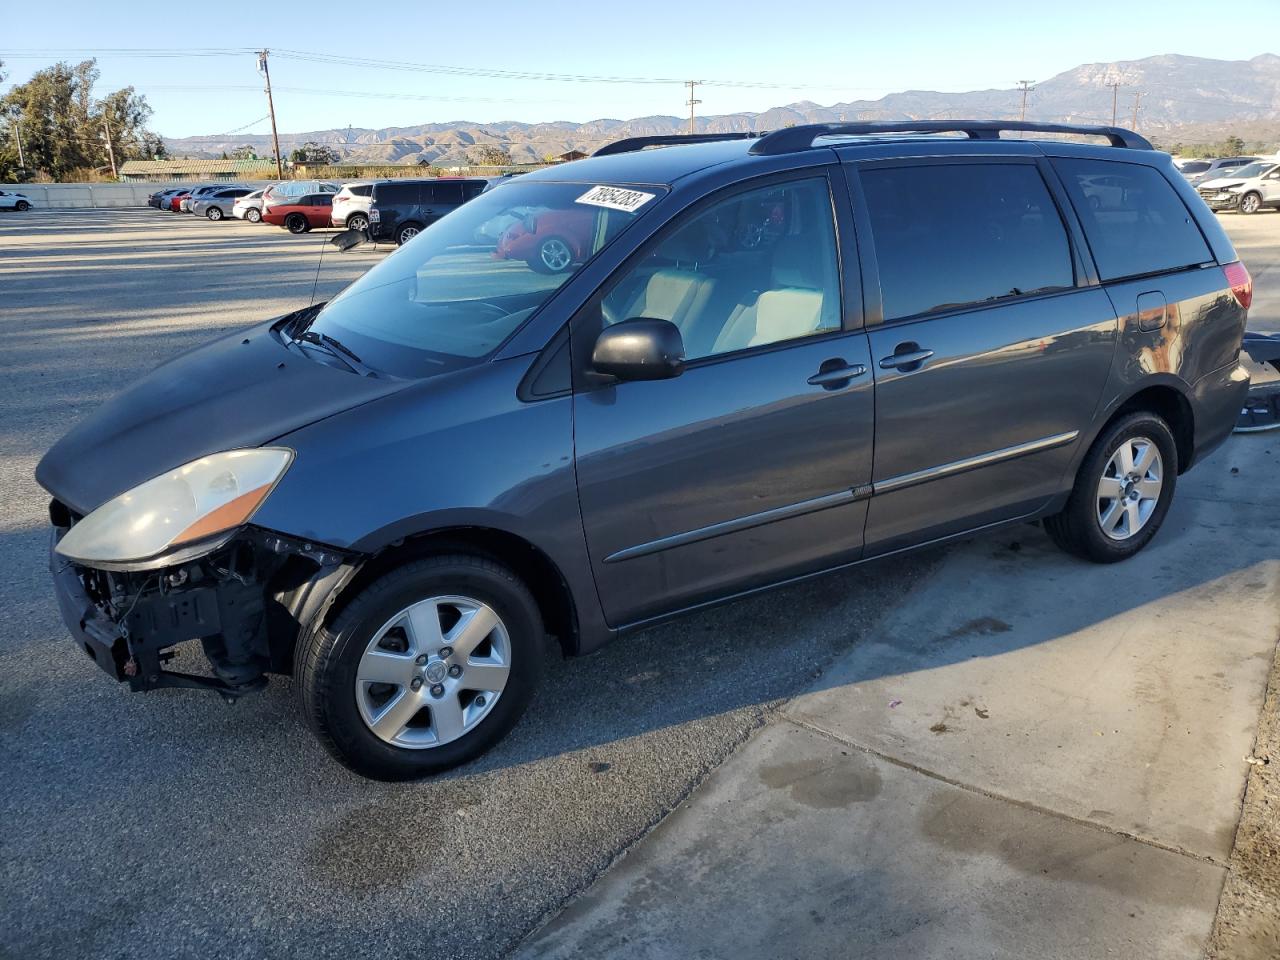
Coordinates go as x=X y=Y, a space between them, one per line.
x=433 y=672
x=1250 y=203
x=213 y=213
x=425 y=668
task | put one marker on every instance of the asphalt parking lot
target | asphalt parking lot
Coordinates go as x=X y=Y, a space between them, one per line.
x=171 y=824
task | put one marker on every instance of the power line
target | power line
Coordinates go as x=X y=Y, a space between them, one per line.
x=1027 y=86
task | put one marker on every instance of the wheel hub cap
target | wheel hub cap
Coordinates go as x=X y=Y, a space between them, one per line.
x=433 y=672
x=1129 y=489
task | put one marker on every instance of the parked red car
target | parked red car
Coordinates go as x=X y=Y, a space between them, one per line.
x=303 y=214
x=551 y=241
x=176 y=200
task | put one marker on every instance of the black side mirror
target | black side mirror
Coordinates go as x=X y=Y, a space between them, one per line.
x=640 y=349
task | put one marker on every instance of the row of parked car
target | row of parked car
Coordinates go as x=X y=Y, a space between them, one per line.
x=1242 y=184
x=388 y=210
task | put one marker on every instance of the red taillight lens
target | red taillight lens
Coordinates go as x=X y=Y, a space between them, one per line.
x=1241 y=283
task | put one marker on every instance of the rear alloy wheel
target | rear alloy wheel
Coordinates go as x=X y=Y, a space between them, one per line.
x=428 y=667
x=1250 y=203
x=296 y=223
x=554 y=256
x=407 y=233
x=22 y=206
x=358 y=222
x=213 y=213
x=1122 y=492
x=253 y=215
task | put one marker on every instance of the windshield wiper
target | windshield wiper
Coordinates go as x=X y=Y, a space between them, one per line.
x=336 y=348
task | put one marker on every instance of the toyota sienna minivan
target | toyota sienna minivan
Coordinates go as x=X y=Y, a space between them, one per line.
x=774 y=356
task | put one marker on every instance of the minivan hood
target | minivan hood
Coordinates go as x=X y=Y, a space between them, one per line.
x=243 y=390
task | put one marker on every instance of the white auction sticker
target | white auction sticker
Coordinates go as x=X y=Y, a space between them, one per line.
x=616 y=198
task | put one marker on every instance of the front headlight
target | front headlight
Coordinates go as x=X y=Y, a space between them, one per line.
x=195 y=502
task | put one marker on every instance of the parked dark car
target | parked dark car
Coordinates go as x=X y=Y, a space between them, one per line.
x=401 y=209
x=776 y=356
x=301 y=214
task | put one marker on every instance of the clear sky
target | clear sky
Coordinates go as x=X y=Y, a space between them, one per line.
x=822 y=50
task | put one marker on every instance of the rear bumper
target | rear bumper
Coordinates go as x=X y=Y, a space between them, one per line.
x=1217 y=399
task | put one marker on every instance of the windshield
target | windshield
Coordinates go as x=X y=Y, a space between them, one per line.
x=453 y=294
x=1245 y=172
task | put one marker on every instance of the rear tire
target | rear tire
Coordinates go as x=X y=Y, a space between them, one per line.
x=343 y=707
x=1250 y=203
x=358 y=221
x=296 y=223
x=253 y=215
x=1130 y=517
x=407 y=232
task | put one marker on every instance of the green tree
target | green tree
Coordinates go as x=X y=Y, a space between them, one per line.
x=1234 y=145
x=311 y=152
x=63 y=124
x=488 y=155
x=244 y=152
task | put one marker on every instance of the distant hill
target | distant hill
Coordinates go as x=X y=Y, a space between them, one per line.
x=1191 y=99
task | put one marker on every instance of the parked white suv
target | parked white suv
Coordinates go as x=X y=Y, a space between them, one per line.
x=1247 y=189
x=351 y=205
x=14 y=201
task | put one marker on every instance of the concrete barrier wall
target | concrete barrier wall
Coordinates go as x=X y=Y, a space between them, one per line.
x=69 y=195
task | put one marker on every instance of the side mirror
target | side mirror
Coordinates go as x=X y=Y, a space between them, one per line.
x=639 y=349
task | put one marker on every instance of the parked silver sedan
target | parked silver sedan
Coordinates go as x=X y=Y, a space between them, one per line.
x=218 y=204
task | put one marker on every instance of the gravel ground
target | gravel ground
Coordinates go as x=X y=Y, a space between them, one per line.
x=169 y=824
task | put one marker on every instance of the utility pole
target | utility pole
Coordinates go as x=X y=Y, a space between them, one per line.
x=692 y=101
x=111 y=150
x=271 y=108
x=17 y=135
x=1115 y=86
x=1137 y=99
x=1027 y=87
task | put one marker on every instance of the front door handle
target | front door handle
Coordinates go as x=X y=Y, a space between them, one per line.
x=835 y=373
x=907 y=357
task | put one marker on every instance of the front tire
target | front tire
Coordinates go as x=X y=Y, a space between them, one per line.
x=1122 y=492
x=1250 y=203
x=427 y=668
x=22 y=206
x=253 y=215
x=214 y=214
x=296 y=223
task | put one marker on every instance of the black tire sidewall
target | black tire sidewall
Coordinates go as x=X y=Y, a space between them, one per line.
x=213 y=213
x=401 y=239
x=1255 y=209
x=296 y=220
x=1082 y=508
x=22 y=206
x=330 y=698
x=253 y=216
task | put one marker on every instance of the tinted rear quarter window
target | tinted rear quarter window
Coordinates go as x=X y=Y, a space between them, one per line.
x=398 y=194
x=363 y=190
x=1136 y=225
x=443 y=193
x=948 y=235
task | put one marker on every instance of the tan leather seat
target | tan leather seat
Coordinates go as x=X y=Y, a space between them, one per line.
x=794 y=306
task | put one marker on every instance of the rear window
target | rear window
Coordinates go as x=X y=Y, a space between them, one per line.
x=1134 y=220
x=950 y=235
x=1196 y=166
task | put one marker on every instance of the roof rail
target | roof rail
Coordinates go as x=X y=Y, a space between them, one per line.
x=791 y=139
x=671 y=139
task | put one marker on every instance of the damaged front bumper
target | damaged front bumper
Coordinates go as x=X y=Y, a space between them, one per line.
x=247 y=603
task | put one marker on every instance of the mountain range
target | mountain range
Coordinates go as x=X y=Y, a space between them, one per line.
x=1177 y=97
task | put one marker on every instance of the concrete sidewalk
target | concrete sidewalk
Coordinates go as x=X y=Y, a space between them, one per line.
x=1036 y=757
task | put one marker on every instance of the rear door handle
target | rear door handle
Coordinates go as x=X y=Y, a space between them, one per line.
x=910 y=360
x=836 y=374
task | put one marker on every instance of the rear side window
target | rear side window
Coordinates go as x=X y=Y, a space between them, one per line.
x=1134 y=220
x=362 y=190
x=951 y=235
x=445 y=193
x=399 y=194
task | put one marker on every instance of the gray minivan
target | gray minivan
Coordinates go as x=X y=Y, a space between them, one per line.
x=768 y=357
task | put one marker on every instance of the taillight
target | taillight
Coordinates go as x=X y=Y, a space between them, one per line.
x=340 y=199
x=1241 y=283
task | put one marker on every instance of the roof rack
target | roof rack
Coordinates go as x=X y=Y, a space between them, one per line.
x=631 y=144
x=791 y=139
